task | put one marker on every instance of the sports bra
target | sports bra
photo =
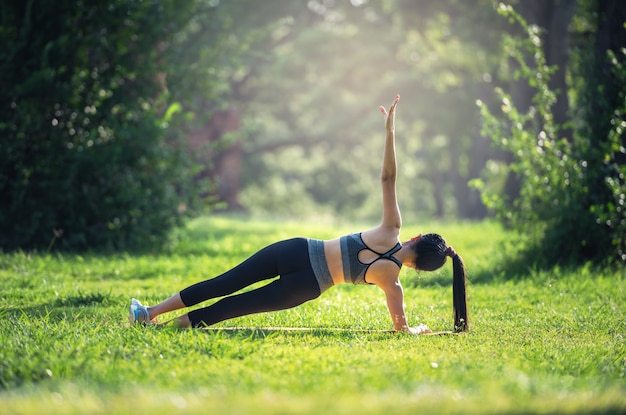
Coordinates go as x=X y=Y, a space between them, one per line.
x=353 y=269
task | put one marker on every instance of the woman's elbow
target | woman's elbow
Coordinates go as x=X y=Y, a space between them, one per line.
x=388 y=177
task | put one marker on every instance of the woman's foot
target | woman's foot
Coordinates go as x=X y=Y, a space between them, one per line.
x=182 y=322
x=138 y=313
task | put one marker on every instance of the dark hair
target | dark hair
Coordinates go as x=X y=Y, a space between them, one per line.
x=431 y=252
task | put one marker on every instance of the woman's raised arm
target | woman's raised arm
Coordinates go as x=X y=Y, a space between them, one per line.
x=391 y=211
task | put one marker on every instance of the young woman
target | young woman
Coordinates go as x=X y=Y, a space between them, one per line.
x=308 y=267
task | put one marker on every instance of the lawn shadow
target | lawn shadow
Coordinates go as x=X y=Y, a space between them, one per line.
x=62 y=306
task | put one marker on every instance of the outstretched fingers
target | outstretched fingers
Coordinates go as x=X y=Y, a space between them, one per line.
x=395 y=101
x=392 y=108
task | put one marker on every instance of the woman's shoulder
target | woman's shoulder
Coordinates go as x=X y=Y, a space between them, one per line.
x=381 y=233
x=381 y=238
x=383 y=274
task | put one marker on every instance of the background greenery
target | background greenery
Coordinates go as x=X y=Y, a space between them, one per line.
x=84 y=159
x=571 y=198
x=118 y=116
x=116 y=120
x=540 y=341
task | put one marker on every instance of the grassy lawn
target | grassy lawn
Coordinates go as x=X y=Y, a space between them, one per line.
x=547 y=341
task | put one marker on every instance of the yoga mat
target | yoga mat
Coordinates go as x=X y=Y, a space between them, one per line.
x=318 y=329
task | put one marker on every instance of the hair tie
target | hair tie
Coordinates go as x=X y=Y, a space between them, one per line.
x=450 y=252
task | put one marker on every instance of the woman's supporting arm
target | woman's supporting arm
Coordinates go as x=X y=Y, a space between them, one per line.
x=395 y=303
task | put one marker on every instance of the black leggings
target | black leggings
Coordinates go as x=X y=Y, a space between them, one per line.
x=296 y=285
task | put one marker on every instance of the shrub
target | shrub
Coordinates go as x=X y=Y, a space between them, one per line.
x=570 y=206
x=85 y=161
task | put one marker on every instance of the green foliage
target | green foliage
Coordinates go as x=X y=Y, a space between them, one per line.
x=564 y=215
x=313 y=127
x=605 y=116
x=550 y=343
x=611 y=215
x=84 y=160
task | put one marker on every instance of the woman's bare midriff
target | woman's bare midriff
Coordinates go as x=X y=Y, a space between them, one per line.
x=332 y=251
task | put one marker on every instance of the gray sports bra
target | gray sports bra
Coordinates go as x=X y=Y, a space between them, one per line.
x=353 y=269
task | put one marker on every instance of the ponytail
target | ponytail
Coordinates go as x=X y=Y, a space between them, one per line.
x=459 y=296
x=431 y=253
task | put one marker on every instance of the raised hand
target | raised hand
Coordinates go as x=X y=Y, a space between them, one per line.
x=390 y=116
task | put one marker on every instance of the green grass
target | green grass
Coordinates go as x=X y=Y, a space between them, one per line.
x=541 y=341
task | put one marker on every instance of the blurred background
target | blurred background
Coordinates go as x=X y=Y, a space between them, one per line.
x=122 y=118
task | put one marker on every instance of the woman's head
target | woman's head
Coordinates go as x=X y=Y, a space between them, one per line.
x=431 y=252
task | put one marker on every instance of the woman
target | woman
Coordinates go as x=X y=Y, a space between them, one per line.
x=308 y=267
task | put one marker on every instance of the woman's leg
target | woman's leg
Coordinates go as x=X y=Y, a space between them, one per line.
x=290 y=290
x=171 y=304
x=280 y=258
x=269 y=262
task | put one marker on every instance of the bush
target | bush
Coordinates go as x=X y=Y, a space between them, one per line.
x=85 y=162
x=571 y=203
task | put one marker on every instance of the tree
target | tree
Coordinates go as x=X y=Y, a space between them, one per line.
x=601 y=60
x=328 y=63
x=84 y=159
x=571 y=188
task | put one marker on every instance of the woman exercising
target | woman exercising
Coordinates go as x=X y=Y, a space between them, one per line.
x=308 y=267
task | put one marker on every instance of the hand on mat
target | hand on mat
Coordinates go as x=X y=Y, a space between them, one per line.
x=420 y=329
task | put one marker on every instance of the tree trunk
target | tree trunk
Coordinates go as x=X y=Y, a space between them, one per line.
x=554 y=17
x=222 y=165
x=556 y=49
